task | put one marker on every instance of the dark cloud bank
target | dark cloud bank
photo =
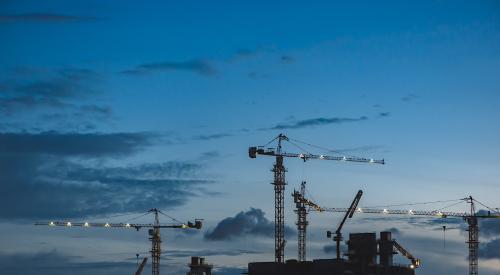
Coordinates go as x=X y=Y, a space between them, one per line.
x=55 y=263
x=252 y=222
x=53 y=175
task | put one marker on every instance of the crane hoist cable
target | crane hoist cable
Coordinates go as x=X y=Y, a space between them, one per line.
x=412 y=204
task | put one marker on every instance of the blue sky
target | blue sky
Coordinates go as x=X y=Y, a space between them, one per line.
x=113 y=107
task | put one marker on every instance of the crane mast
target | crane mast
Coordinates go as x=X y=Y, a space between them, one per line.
x=279 y=202
x=301 y=204
x=473 y=241
x=155 y=243
x=279 y=184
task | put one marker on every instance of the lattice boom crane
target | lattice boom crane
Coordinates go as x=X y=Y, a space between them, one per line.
x=470 y=217
x=302 y=204
x=154 y=231
x=279 y=181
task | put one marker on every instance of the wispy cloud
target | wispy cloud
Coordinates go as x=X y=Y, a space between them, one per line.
x=53 y=90
x=54 y=98
x=410 y=97
x=287 y=59
x=213 y=136
x=198 y=66
x=316 y=122
x=43 y=17
x=205 y=252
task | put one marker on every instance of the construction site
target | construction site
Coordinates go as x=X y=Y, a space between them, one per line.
x=249 y=137
x=368 y=253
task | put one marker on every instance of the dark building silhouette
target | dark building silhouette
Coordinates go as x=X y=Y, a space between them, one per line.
x=363 y=249
x=199 y=267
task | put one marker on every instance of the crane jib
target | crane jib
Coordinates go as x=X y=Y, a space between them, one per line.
x=254 y=151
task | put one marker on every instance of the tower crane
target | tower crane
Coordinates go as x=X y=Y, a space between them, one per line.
x=279 y=181
x=470 y=217
x=348 y=214
x=154 y=231
x=302 y=203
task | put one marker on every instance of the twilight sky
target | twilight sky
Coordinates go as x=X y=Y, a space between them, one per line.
x=110 y=108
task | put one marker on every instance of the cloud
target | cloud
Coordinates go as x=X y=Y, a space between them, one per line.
x=73 y=144
x=206 y=253
x=210 y=155
x=490 y=250
x=489 y=227
x=287 y=59
x=60 y=90
x=229 y=270
x=46 y=188
x=55 y=263
x=213 y=136
x=330 y=249
x=316 y=122
x=410 y=97
x=252 y=222
x=43 y=17
x=52 y=175
x=394 y=231
x=198 y=66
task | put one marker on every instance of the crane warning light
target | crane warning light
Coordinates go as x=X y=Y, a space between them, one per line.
x=359 y=210
x=127 y=225
x=68 y=224
x=410 y=212
x=52 y=224
x=107 y=225
x=385 y=211
x=86 y=224
x=321 y=157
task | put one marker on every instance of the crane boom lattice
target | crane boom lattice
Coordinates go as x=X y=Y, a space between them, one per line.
x=279 y=182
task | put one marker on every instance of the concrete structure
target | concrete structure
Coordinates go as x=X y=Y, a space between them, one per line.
x=199 y=267
x=363 y=249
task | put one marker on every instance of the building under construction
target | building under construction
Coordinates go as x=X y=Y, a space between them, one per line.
x=363 y=249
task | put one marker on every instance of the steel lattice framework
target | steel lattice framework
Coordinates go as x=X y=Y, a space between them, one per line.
x=154 y=232
x=471 y=218
x=279 y=183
